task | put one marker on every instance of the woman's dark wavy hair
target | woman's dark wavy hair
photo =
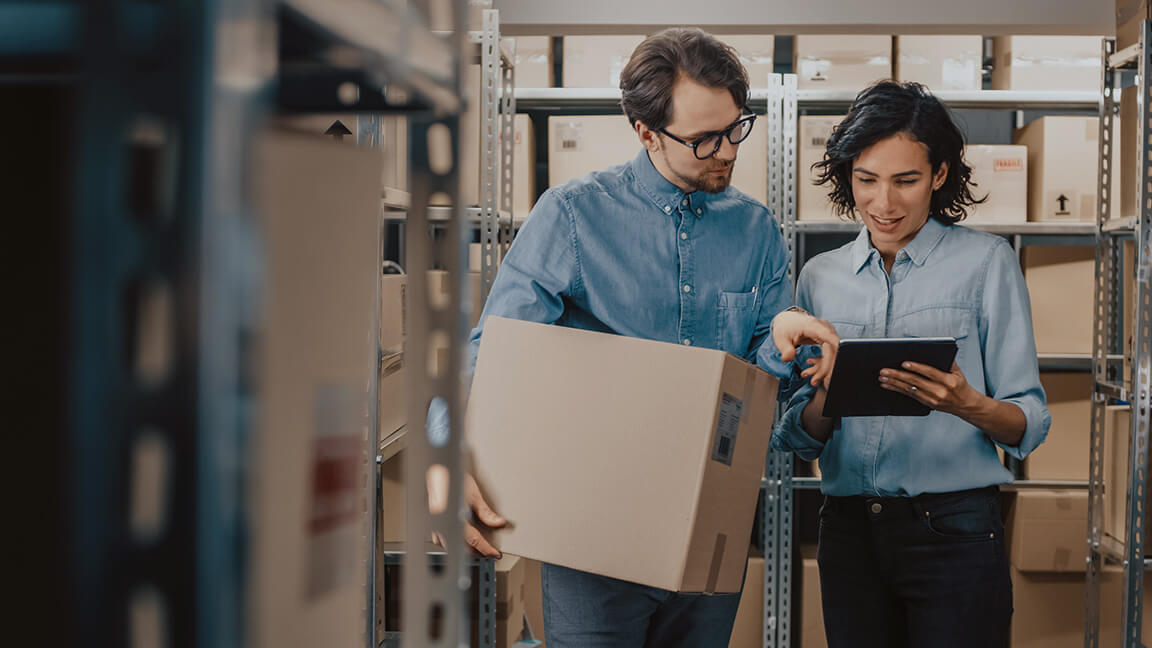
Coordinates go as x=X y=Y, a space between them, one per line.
x=882 y=110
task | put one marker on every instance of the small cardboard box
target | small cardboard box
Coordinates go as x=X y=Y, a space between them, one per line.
x=1047 y=530
x=812 y=200
x=596 y=61
x=940 y=62
x=634 y=459
x=1058 y=276
x=509 y=600
x=842 y=62
x=748 y=629
x=999 y=172
x=1048 y=609
x=1064 y=454
x=1129 y=13
x=811 y=606
x=534 y=62
x=1063 y=167
x=1047 y=63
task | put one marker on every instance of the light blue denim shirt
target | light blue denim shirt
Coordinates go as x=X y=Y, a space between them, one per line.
x=949 y=281
x=625 y=251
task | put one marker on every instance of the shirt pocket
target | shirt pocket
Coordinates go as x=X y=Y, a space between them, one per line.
x=952 y=321
x=847 y=330
x=736 y=321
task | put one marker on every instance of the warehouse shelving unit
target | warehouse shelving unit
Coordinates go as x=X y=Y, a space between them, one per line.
x=1108 y=345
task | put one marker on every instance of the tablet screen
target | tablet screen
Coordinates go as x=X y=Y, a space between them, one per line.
x=855 y=386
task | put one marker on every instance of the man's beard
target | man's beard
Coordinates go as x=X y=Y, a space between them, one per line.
x=707 y=181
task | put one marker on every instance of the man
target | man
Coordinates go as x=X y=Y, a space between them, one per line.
x=659 y=248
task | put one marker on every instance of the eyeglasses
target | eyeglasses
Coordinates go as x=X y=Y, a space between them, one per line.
x=706 y=145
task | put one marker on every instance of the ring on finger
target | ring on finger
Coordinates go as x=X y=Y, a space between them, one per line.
x=914 y=388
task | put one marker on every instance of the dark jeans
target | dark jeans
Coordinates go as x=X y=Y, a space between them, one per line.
x=583 y=610
x=922 y=572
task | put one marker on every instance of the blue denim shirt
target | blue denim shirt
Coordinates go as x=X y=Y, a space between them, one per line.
x=949 y=281
x=625 y=251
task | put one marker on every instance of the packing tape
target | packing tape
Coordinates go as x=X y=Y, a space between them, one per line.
x=717 y=561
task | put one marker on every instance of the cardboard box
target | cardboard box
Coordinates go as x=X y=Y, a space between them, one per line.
x=1064 y=454
x=1128 y=141
x=999 y=172
x=579 y=145
x=523 y=166
x=391 y=508
x=1129 y=13
x=394 y=147
x=1047 y=63
x=1049 y=609
x=842 y=62
x=1063 y=167
x=1059 y=276
x=1047 y=530
x=534 y=600
x=756 y=54
x=660 y=444
x=509 y=600
x=812 y=200
x=811 y=608
x=596 y=61
x=941 y=62
x=1129 y=326
x=748 y=629
x=534 y=62
x=1117 y=457
x=317 y=203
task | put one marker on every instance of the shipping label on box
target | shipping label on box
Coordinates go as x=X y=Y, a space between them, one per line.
x=1001 y=173
x=842 y=62
x=621 y=432
x=940 y=62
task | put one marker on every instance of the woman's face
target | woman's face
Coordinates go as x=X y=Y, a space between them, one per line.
x=892 y=185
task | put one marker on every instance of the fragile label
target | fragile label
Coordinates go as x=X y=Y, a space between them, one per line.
x=727 y=426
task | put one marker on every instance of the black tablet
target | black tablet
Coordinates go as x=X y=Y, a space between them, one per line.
x=855 y=387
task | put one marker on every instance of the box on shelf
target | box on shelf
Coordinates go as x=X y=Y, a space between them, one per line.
x=811 y=609
x=1047 y=63
x=1117 y=472
x=1129 y=170
x=534 y=599
x=812 y=200
x=534 y=62
x=999 y=172
x=596 y=61
x=1048 y=609
x=579 y=145
x=317 y=203
x=842 y=62
x=1063 y=161
x=1129 y=13
x=1064 y=454
x=1046 y=530
x=1057 y=276
x=391 y=508
x=748 y=629
x=523 y=166
x=509 y=600
x=940 y=62
x=756 y=54
x=686 y=510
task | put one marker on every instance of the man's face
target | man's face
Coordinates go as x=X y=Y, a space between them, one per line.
x=696 y=111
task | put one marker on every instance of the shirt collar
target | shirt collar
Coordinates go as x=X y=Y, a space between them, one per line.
x=918 y=249
x=665 y=195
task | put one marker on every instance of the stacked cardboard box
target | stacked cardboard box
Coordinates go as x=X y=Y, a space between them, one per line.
x=1047 y=63
x=940 y=62
x=597 y=61
x=748 y=629
x=842 y=62
x=1058 y=276
x=1063 y=167
x=999 y=173
x=1047 y=530
x=509 y=600
x=1064 y=454
x=534 y=62
x=1129 y=14
x=811 y=610
x=812 y=200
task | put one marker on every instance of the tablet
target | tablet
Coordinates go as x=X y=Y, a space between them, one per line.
x=855 y=386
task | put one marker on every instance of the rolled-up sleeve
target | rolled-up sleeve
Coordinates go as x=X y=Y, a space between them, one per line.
x=1011 y=372
x=788 y=435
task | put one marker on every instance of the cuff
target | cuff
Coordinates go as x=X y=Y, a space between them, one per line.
x=1038 y=418
x=789 y=434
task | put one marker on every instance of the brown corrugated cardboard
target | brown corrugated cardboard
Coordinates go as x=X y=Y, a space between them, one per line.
x=1046 y=530
x=1058 y=276
x=1063 y=161
x=1129 y=168
x=940 y=62
x=533 y=599
x=1064 y=454
x=580 y=145
x=756 y=54
x=1048 y=609
x=509 y=600
x=317 y=203
x=842 y=62
x=999 y=172
x=748 y=629
x=812 y=200
x=534 y=62
x=1129 y=13
x=581 y=439
x=811 y=609
x=1047 y=63
x=596 y=61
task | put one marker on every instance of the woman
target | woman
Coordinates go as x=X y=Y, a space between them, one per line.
x=911 y=541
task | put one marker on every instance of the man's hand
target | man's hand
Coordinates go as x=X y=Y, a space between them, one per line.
x=438 y=501
x=791 y=329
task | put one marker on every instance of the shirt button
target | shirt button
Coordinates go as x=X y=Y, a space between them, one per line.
x=876 y=508
x=667 y=209
x=683 y=236
x=687 y=288
x=699 y=211
x=684 y=202
x=687 y=342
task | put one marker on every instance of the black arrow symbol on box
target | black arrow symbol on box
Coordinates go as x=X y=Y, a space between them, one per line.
x=338 y=130
x=1063 y=200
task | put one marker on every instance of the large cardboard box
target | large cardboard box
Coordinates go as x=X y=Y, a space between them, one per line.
x=842 y=62
x=812 y=200
x=635 y=459
x=318 y=205
x=1047 y=63
x=1047 y=530
x=748 y=629
x=1129 y=13
x=1063 y=167
x=999 y=172
x=1060 y=282
x=756 y=54
x=1048 y=609
x=509 y=600
x=579 y=145
x=597 y=61
x=534 y=62
x=1064 y=454
x=1128 y=141
x=811 y=608
x=940 y=62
